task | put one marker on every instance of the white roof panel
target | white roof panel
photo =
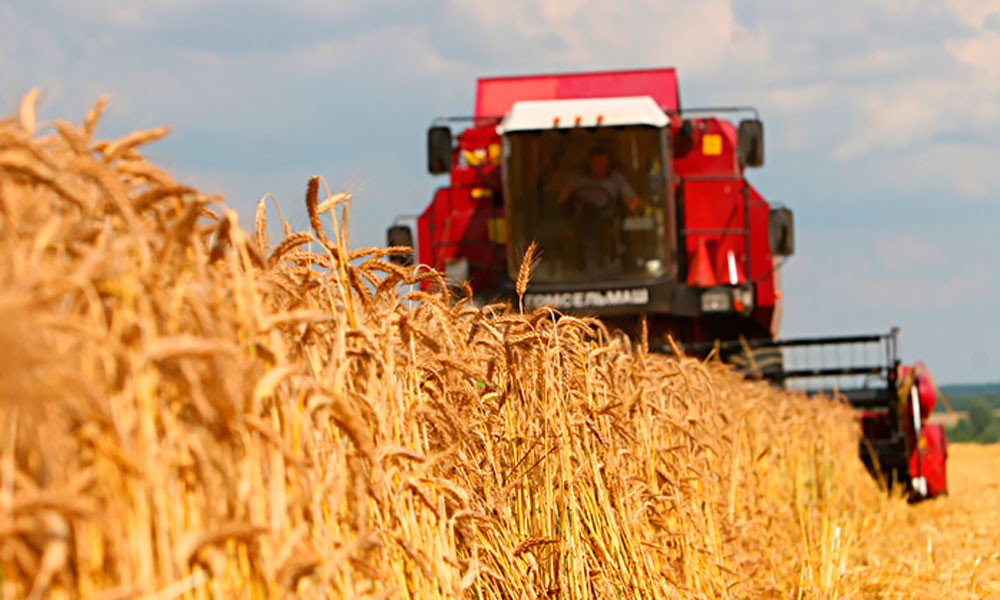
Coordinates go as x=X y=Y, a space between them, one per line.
x=533 y=115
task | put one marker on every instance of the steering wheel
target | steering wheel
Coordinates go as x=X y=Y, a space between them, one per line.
x=581 y=206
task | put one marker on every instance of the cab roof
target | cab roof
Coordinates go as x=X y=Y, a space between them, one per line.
x=535 y=115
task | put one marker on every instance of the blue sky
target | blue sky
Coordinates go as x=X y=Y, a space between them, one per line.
x=882 y=119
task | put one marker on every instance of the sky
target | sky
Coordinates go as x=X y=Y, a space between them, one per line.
x=882 y=119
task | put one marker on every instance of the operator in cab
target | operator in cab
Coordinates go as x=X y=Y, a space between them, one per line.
x=599 y=188
x=597 y=198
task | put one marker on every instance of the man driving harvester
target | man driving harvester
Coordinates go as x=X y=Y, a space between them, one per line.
x=595 y=197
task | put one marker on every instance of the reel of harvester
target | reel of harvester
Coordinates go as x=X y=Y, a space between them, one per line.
x=894 y=401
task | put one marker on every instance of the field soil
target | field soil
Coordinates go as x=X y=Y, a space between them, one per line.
x=944 y=548
x=950 y=419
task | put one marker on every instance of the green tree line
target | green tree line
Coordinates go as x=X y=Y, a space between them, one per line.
x=980 y=425
x=960 y=397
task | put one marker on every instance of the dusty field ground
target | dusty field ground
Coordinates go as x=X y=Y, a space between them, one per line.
x=944 y=548
x=950 y=419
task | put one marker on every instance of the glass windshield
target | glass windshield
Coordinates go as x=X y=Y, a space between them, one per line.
x=595 y=201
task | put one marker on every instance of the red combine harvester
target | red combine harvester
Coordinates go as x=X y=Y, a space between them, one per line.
x=641 y=210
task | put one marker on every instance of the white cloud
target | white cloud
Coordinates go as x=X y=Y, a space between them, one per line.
x=334 y=9
x=694 y=36
x=874 y=79
x=932 y=292
x=904 y=251
x=979 y=52
x=128 y=14
x=896 y=117
x=146 y=15
x=801 y=99
x=974 y=13
x=946 y=171
x=402 y=47
x=873 y=277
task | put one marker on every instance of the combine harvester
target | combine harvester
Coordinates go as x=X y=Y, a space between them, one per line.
x=641 y=211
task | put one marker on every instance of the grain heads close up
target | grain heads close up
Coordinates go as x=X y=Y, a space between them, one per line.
x=191 y=409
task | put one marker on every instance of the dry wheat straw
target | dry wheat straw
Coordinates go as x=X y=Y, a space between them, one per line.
x=205 y=423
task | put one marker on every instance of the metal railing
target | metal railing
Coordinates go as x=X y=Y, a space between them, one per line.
x=860 y=368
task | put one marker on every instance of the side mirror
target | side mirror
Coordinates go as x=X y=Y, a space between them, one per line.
x=439 y=149
x=750 y=145
x=781 y=232
x=401 y=236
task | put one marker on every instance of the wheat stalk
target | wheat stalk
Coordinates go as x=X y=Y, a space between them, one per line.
x=26 y=115
x=199 y=421
x=528 y=263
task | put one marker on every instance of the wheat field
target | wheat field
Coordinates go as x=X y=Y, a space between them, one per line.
x=191 y=409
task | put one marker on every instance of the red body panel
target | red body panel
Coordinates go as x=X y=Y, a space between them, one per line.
x=714 y=214
x=459 y=226
x=465 y=220
x=477 y=159
x=925 y=386
x=929 y=460
x=691 y=158
x=495 y=95
x=711 y=186
x=929 y=451
x=762 y=265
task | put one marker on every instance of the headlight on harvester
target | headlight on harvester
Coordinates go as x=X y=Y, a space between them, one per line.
x=743 y=301
x=727 y=299
x=716 y=300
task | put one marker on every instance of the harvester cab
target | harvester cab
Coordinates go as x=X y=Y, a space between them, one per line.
x=638 y=207
x=585 y=180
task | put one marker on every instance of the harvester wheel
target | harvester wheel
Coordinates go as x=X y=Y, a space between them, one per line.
x=759 y=364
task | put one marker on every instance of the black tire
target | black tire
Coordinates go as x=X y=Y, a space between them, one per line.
x=759 y=364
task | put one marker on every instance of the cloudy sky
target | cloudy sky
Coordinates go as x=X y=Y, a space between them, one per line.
x=882 y=116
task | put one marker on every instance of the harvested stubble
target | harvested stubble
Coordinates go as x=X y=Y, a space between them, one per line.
x=190 y=410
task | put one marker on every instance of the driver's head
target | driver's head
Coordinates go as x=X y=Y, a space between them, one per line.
x=599 y=162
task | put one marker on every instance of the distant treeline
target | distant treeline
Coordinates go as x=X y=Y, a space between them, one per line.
x=980 y=403
x=962 y=396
